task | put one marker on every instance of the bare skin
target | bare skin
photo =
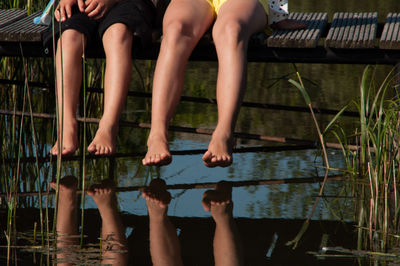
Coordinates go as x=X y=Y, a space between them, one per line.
x=227 y=248
x=184 y=24
x=164 y=242
x=67 y=217
x=117 y=42
x=112 y=232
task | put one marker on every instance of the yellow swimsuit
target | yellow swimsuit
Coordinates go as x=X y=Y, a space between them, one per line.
x=216 y=4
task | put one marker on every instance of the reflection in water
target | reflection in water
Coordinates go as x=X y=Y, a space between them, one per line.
x=114 y=243
x=164 y=243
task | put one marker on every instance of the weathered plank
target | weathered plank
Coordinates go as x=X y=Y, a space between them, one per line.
x=10 y=15
x=390 y=38
x=23 y=30
x=304 y=38
x=352 y=30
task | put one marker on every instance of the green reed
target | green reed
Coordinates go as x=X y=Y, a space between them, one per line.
x=374 y=167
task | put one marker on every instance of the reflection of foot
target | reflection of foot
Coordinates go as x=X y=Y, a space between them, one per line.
x=157 y=199
x=158 y=151
x=67 y=192
x=70 y=139
x=219 y=151
x=288 y=24
x=219 y=202
x=104 y=141
x=104 y=196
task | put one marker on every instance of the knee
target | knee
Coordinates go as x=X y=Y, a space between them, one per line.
x=229 y=32
x=117 y=33
x=72 y=37
x=178 y=32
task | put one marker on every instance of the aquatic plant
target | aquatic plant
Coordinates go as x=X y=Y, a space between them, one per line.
x=374 y=167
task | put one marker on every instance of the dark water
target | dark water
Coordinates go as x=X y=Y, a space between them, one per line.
x=264 y=212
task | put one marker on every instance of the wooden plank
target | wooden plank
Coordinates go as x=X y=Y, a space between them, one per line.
x=303 y=38
x=353 y=30
x=23 y=30
x=9 y=16
x=390 y=39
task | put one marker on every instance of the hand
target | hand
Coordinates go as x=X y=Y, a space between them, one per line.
x=64 y=9
x=96 y=9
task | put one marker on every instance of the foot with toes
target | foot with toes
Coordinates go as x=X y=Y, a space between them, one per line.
x=219 y=151
x=158 y=153
x=104 y=141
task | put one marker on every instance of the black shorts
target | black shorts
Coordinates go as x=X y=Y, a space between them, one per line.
x=138 y=15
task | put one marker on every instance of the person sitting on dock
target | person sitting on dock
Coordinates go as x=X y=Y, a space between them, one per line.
x=112 y=23
x=233 y=22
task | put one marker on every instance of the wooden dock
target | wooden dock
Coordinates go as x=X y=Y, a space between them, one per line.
x=353 y=38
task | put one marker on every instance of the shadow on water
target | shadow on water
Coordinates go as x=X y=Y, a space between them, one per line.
x=267 y=215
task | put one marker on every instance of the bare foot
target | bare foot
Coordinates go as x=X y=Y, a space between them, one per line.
x=219 y=202
x=70 y=139
x=157 y=199
x=219 y=151
x=104 y=196
x=104 y=141
x=158 y=151
x=288 y=24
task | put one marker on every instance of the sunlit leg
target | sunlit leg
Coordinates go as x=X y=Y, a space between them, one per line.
x=185 y=22
x=69 y=79
x=117 y=42
x=237 y=20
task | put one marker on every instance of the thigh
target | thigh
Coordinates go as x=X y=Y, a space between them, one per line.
x=250 y=14
x=194 y=15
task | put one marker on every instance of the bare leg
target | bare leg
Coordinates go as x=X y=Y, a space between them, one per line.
x=67 y=217
x=69 y=79
x=117 y=41
x=114 y=243
x=164 y=242
x=237 y=20
x=227 y=248
x=185 y=22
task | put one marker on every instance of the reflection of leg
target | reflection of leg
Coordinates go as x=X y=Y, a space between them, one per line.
x=185 y=21
x=112 y=232
x=117 y=41
x=237 y=20
x=227 y=248
x=164 y=242
x=67 y=226
x=69 y=79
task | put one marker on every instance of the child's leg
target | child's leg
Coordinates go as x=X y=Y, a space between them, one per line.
x=237 y=20
x=117 y=42
x=164 y=242
x=185 y=22
x=67 y=216
x=227 y=247
x=114 y=243
x=69 y=79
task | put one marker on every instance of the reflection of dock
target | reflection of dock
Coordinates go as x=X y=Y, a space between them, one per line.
x=264 y=240
x=348 y=38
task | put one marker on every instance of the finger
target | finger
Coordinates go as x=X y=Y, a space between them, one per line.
x=62 y=14
x=57 y=15
x=96 y=12
x=68 y=11
x=81 y=5
x=91 y=7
